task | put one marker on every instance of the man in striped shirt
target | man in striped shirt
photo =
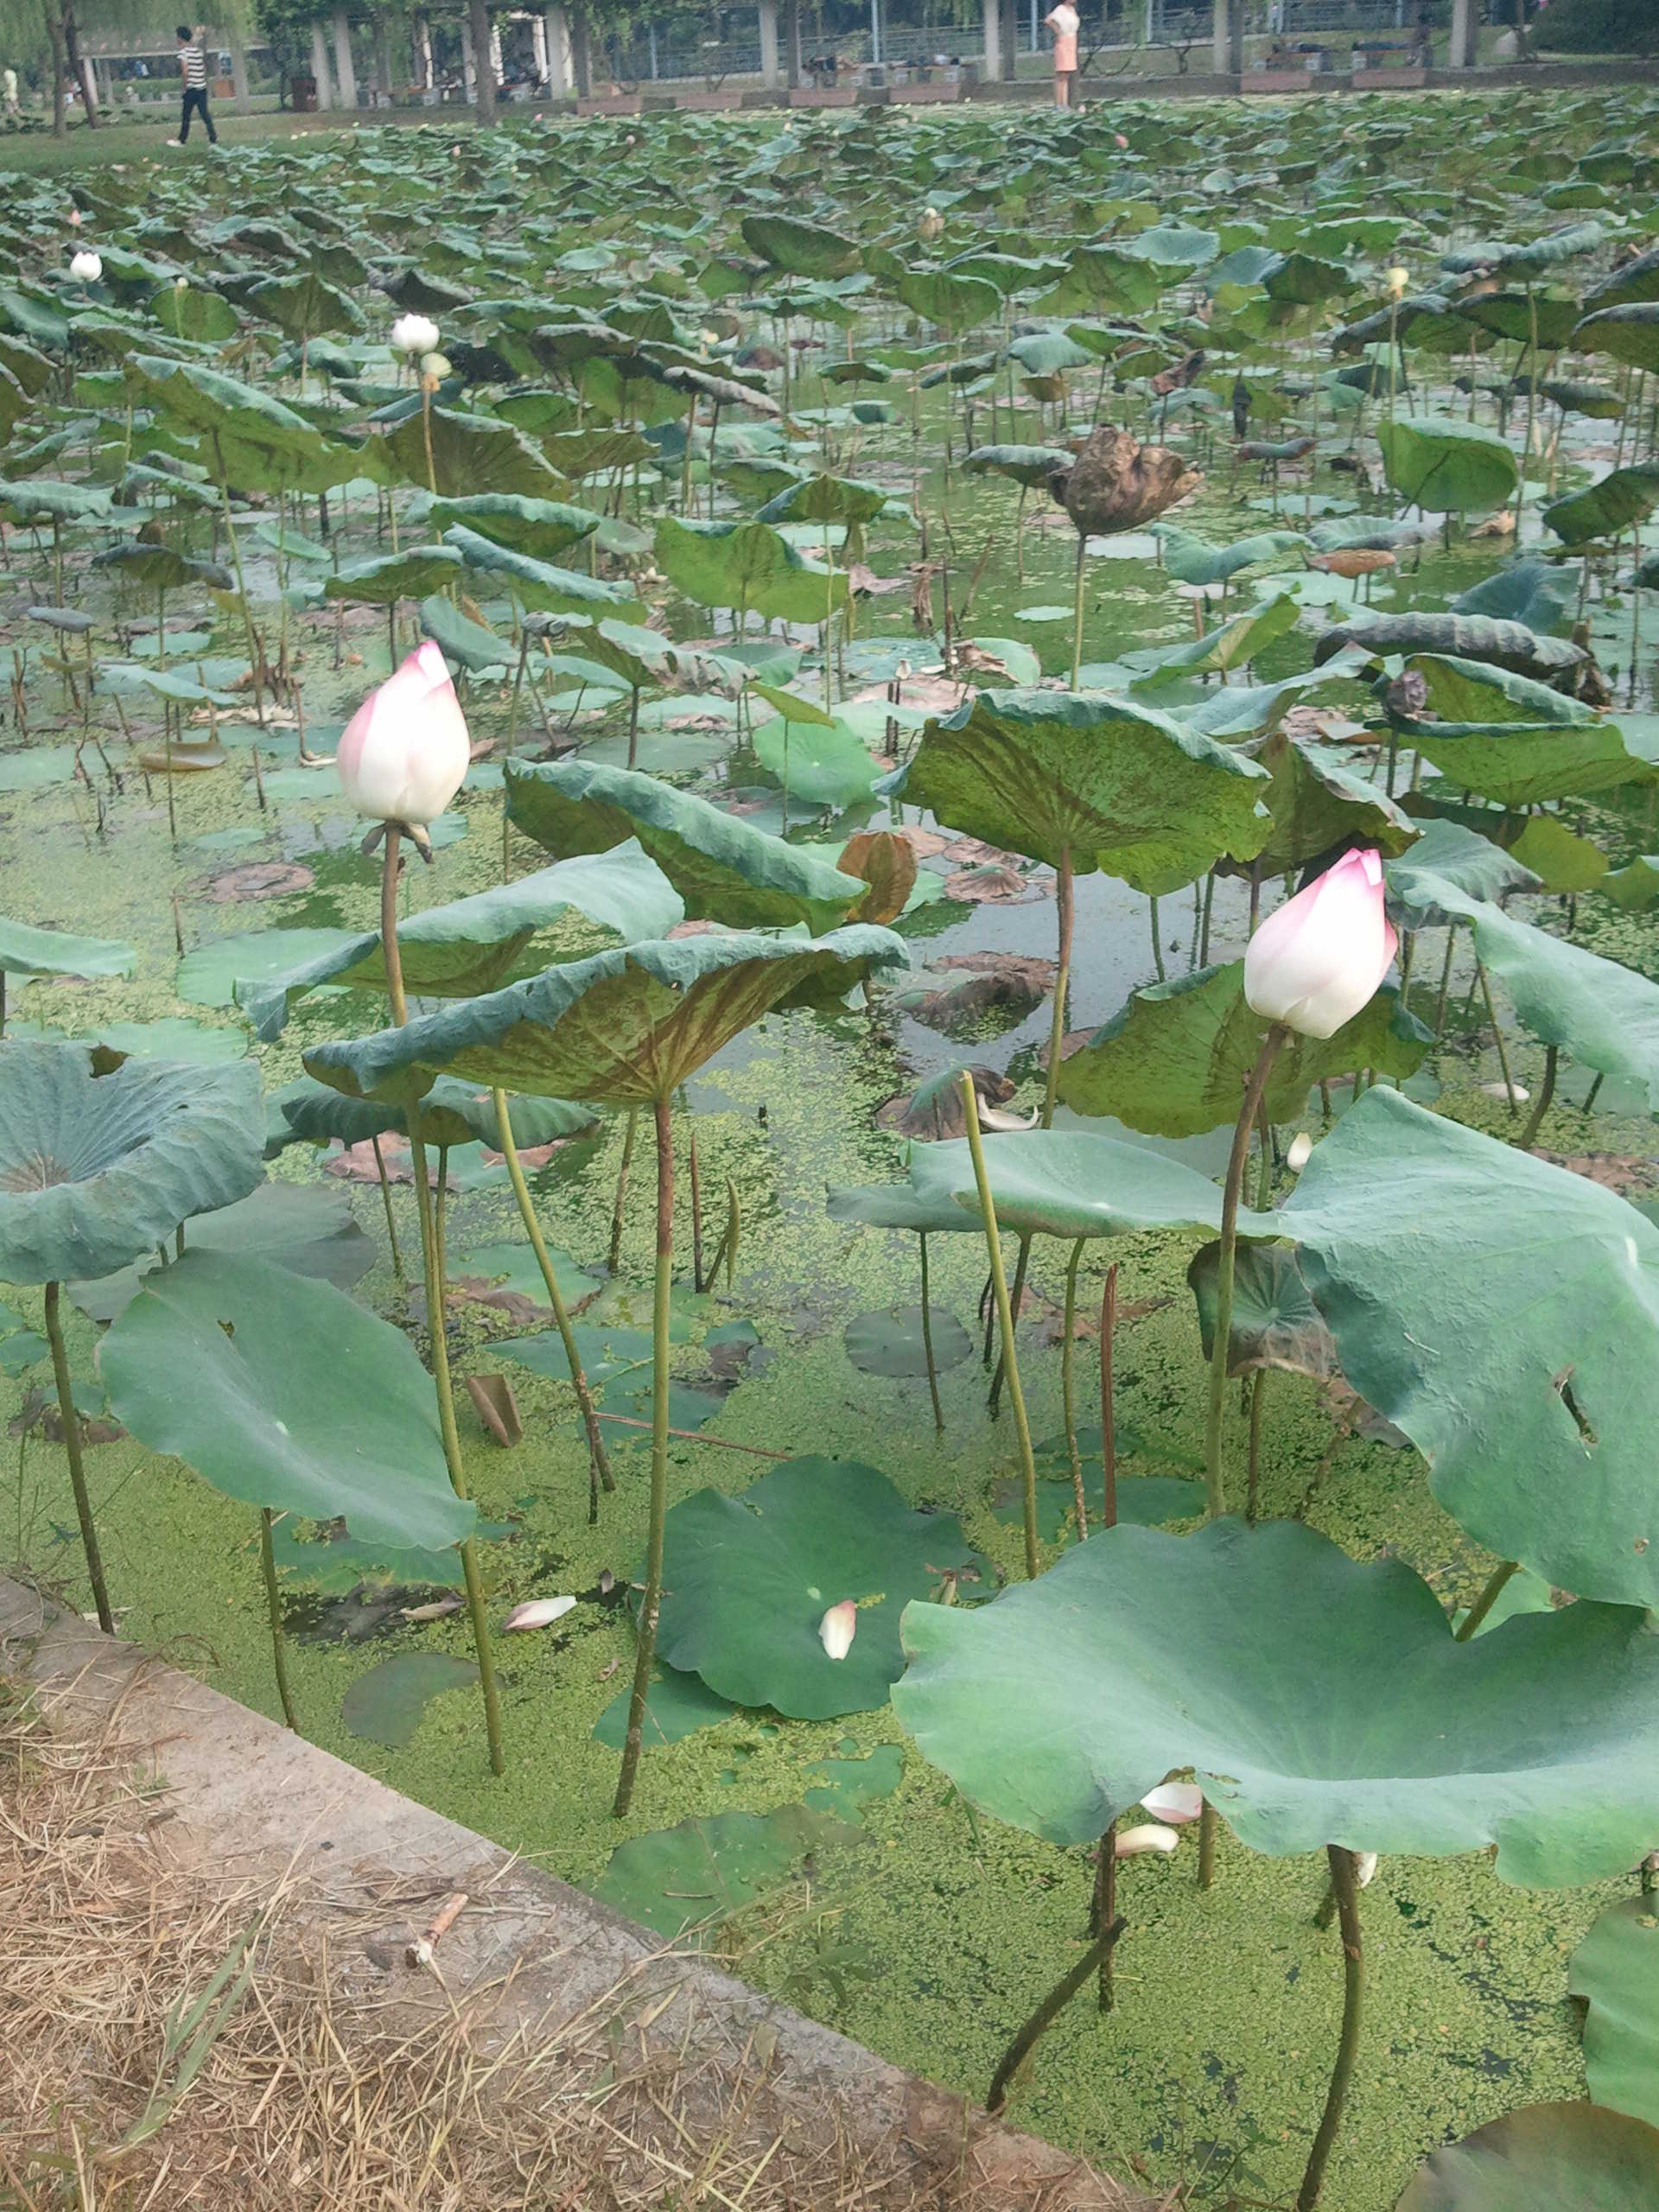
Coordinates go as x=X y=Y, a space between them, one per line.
x=192 y=62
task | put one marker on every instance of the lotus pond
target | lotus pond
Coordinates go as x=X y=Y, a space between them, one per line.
x=921 y=591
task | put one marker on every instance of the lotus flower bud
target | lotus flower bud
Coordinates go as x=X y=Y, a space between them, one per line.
x=1174 y=1802
x=930 y=225
x=181 y=283
x=74 y=218
x=1120 y=142
x=414 y=333
x=1301 y=1151
x=434 y=369
x=1134 y=1843
x=1398 y=280
x=86 y=268
x=837 y=1629
x=1319 y=957
x=537 y=1612
x=404 y=755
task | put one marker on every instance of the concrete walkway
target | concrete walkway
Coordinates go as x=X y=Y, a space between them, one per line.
x=253 y=1796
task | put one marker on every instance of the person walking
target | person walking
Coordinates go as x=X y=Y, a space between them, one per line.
x=1064 y=21
x=192 y=64
x=9 y=78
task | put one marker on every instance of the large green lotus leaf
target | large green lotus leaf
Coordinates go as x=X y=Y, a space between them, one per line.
x=828 y=767
x=1193 y=560
x=538 y=584
x=384 y=578
x=1629 y=333
x=264 y=445
x=470 y=453
x=1615 y=502
x=465 y=644
x=1319 y=803
x=625 y=1026
x=1447 y=467
x=282 y=1392
x=1504 y=1314
x=541 y=528
x=677 y=1706
x=96 y=1169
x=1474 y=638
x=1481 y=695
x=307 y=1227
x=1030 y=466
x=1318 y=1698
x=475 y=944
x=723 y=868
x=824 y=498
x=955 y=303
x=304 y=305
x=28 y=951
x=1565 y=2158
x=1449 y=852
x=1234 y=641
x=1605 y=1014
x=194 y=312
x=1174 y=1061
x=1526 y=763
x=1120 y=787
x=1529 y=591
x=1615 y=1972
x=27 y=499
x=746 y=1580
x=800 y=249
x=1070 y=1183
x=748 y=566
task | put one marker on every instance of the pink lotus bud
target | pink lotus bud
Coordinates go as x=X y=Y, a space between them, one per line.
x=837 y=1629
x=1134 y=1843
x=404 y=755
x=1319 y=957
x=1120 y=141
x=1174 y=1802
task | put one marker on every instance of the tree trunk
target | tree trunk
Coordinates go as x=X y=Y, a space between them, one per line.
x=54 y=33
x=581 y=53
x=79 y=70
x=483 y=61
x=792 y=40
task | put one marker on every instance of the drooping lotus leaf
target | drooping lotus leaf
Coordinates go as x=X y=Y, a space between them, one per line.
x=263 y=444
x=1470 y=637
x=825 y=498
x=1416 y=1233
x=1561 y=861
x=28 y=951
x=1275 y=1321
x=452 y=1113
x=747 y=1579
x=96 y=1169
x=748 y=566
x=284 y=1392
x=1532 y=593
x=1231 y=643
x=1174 y=1061
x=307 y=1227
x=475 y=944
x=539 y=584
x=1449 y=852
x=384 y=578
x=465 y=644
x=541 y=528
x=1615 y=1971
x=1615 y=502
x=1319 y=803
x=470 y=453
x=1527 y=763
x=1447 y=466
x=1565 y=2158
x=625 y=1026
x=1628 y=334
x=1193 y=560
x=1028 y=465
x=1318 y=1698
x=723 y=868
x=1118 y=787
x=800 y=249
x=1461 y=695
x=161 y=568
x=304 y=305
x=827 y=766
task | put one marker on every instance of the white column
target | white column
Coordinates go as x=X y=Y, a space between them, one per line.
x=345 y=73
x=319 y=67
x=382 y=62
x=993 y=68
x=539 y=45
x=560 y=65
x=423 y=51
x=1462 y=55
x=496 y=63
x=238 y=74
x=468 y=72
x=769 y=76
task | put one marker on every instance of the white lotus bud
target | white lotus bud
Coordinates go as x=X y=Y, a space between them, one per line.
x=537 y=1612
x=404 y=753
x=1175 y=1803
x=1151 y=1836
x=1301 y=1151
x=436 y=365
x=181 y=283
x=86 y=268
x=1398 y=280
x=414 y=333
x=1319 y=958
x=837 y=1629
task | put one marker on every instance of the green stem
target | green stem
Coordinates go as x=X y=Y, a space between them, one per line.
x=1541 y=1103
x=432 y=1268
x=1108 y=1417
x=653 y=1590
x=1344 y=1880
x=1215 y=1494
x=1488 y=1598
x=1049 y=2010
x=927 y=1345
x=254 y=655
x=621 y=1189
x=1077 y=612
x=1103 y=1908
x=1005 y=1317
x=1498 y=1034
x=385 y=1194
x=77 y=1472
x=1068 y=1391
x=1257 y=1386
x=274 y=1605
x=601 y=1468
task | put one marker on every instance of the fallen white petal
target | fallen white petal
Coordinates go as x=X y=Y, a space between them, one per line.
x=1517 y=1091
x=1175 y=1801
x=1151 y=1836
x=537 y=1612
x=998 y=1117
x=837 y=1629
x=1364 y=1867
x=1301 y=1151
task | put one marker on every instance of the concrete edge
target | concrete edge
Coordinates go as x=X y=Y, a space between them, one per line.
x=254 y=1796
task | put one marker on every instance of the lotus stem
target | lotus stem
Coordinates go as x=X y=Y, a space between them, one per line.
x=1103 y=1908
x=621 y=1189
x=1498 y=1034
x=1049 y=2010
x=927 y=1344
x=1215 y=1494
x=1077 y=612
x=1541 y=1103
x=1258 y=1385
x=1346 y=1882
x=432 y=1269
x=385 y=1194
x=651 y=1599
x=77 y=1471
x=1068 y=1392
x=1157 y=948
x=1591 y=1096
x=697 y=1200
x=274 y=1605
x=1005 y=1316
x=601 y=1468
x=255 y=657
x=1496 y=1583
x=1107 y=1418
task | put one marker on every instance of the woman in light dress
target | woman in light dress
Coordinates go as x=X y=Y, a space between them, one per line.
x=1063 y=21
